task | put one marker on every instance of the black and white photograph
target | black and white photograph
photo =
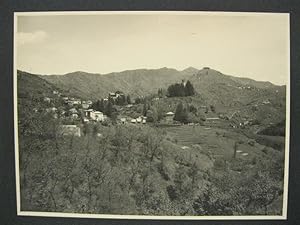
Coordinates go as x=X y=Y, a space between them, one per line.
x=152 y=114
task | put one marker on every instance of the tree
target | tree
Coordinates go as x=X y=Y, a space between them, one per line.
x=176 y=90
x=180 y=90
x=138 y=100
x=121 y=100
x=128 y=99
x=192 y=109
x=178 y=112
x=114 y=116
x=145 y=108
x=98 y=105
x=213 y=108
x=109 y=109
x=111 y=100
x=160 y=93
x=101 y=105
x=181 y=114
x=160 y=112
x=189 y=89
x=152 y=116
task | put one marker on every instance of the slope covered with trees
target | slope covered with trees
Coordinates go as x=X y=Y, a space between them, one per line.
x=139 y=170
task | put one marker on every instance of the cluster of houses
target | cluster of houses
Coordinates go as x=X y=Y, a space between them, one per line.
x=241 y=87
x=140 y=119
x=77 y=102
x=114 y=95
x=169 y=116
x=77 y=109
x=73 y=108
x=93 y=115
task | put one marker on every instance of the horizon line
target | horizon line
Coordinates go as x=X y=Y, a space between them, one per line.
x=159 y=68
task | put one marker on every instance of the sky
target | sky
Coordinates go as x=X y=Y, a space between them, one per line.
x=238 y=44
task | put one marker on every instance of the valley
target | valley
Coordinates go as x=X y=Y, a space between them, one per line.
x=221 y=146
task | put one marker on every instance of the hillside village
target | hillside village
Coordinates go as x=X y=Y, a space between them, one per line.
x=74 y=112
x=187 y=147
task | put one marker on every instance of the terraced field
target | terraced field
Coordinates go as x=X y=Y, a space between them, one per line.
x=215 y=141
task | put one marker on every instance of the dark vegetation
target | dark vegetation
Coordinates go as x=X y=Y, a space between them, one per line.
x=181 y=90
x=188 y=114
x=275 y=130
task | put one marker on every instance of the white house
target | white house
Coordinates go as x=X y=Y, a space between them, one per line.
x=86 y=120
x=139 y=119
x=123 y=120
x=88 y=112
x=170 y=114
x=97 y=116
x=94 y=115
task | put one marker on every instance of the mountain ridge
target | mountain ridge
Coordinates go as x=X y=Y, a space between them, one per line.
x=227 y=93
x=142 y=82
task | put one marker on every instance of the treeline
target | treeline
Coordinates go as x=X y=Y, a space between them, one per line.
x=181 y=90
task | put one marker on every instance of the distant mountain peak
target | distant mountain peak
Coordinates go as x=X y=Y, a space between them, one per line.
x=208 y=71
x=190 y=70
x=81 y=73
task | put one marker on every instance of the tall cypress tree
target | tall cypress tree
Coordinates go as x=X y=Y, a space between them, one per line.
x=189 y=89
x=128 y=99
x=100 y=105
x=145 y=109
x=178 y=112
x=109 y=109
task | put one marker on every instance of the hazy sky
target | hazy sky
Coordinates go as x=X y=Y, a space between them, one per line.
x=244 y=45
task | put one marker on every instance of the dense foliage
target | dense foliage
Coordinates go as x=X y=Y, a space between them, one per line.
x=188 y=114
x=181 y=90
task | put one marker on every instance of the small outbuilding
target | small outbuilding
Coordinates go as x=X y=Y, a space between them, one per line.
x=169 y=116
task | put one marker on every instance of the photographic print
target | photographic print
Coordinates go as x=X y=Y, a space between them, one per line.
x=152 y=115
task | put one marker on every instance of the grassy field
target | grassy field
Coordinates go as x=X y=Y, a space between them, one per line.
x=216 y=142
